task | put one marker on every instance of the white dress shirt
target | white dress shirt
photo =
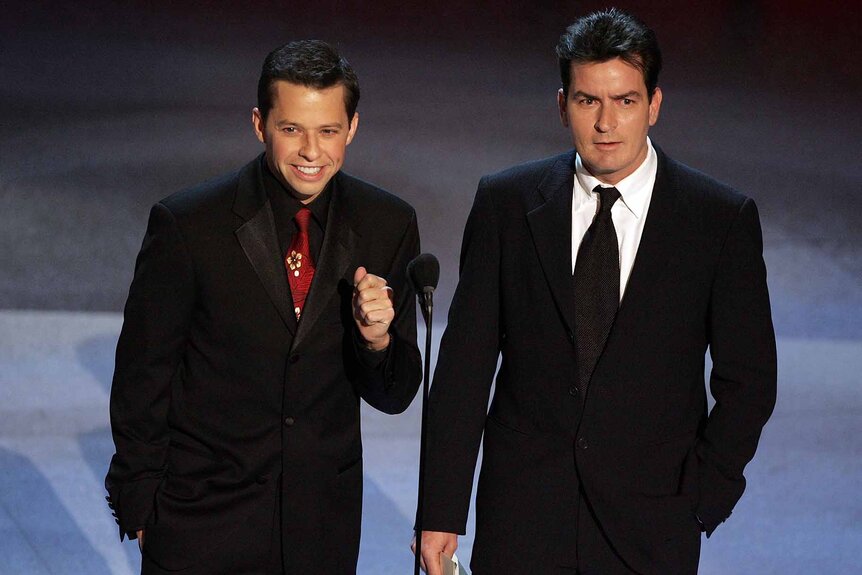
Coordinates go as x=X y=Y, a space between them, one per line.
x=628 y=213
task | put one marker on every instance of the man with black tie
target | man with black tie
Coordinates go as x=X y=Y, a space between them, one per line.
x=601 y=276
x=257 y=318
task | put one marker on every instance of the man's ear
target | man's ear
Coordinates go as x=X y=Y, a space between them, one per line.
x=354 y=125
x=654 y=106
x=561 y=102
x=259 y=125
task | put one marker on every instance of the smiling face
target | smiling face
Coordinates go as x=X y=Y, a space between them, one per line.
x=609 y=114
x=306 y=133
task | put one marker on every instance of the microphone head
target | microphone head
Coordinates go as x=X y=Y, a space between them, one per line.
x=424 y=273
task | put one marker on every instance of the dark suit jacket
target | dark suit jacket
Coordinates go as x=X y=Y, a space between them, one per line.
x=641 y=442
x=218 y=391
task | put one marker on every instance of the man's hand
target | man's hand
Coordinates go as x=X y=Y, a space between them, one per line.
x=434 y=543
x=372 y=308
x=140 y=533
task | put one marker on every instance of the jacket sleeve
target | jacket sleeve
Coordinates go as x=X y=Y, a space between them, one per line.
x=388 y=380
x=469 y=350
x=744 y=373
x=151 y=344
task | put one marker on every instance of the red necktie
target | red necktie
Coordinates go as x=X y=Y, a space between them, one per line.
x=298 y=262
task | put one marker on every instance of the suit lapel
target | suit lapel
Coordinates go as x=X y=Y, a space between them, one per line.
x=551 y=227
x=660 y=236
x=259 y=241
x=339 y=243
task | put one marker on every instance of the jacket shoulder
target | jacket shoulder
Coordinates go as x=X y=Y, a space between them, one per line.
x=208 y=202
x=697 y=187
x=531 y=172
x=705 y=205
x=213 y=194
x=517 y=189
x=368 y=196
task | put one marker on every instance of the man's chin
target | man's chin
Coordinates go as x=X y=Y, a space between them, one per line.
x=303 y=192
x=601 y=170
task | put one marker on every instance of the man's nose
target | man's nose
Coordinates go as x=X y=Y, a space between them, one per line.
x=606 y=120
x=310 y=149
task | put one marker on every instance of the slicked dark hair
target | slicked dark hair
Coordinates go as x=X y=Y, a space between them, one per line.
x=609 y=34
x=311 y=63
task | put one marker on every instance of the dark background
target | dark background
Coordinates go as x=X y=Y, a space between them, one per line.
x=108 y=107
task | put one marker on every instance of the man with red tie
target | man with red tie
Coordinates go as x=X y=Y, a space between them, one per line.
x=264 y=305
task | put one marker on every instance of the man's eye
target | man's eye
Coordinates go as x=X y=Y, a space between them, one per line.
x=628 y=101
x=329 y=132
x=587 y=101
x=289 y=130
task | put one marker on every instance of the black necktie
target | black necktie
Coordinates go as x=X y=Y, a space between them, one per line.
x=597 y=286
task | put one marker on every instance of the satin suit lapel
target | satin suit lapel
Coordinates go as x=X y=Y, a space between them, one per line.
x=259 y=240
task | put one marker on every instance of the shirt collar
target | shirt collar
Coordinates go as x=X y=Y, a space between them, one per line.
x=634 y=189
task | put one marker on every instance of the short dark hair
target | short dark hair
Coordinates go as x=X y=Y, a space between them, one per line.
x=609 y=34
x=311 y=63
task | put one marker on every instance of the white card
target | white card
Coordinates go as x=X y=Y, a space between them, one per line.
x=451 y=566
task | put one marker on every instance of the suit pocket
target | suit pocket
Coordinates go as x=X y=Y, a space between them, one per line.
x=664 y=531
x=663 y=468
x=197 y=451
x=505 y=426
x=524 y=502
x=189 y=469
x=209 y=527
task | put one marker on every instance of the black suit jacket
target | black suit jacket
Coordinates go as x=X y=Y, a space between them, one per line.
x=218 y=391
x=648 y=455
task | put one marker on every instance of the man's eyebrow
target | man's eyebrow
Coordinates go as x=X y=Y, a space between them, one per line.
x=630 y=94
x=281 y=123
x=582 y=94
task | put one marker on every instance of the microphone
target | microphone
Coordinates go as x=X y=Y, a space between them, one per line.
x=424 y=273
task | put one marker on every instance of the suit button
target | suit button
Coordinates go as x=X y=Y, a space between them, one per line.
x=572 y=336
x=574 y=390
x=294 y=358
x=262 y=479
x=289 y=421
x=583 y=443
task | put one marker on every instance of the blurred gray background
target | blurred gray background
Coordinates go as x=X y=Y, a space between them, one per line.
x=107 y=107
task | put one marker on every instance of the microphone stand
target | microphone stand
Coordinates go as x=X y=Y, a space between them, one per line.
x=427 y=305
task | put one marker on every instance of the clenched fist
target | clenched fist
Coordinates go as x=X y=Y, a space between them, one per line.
x=372 y=308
